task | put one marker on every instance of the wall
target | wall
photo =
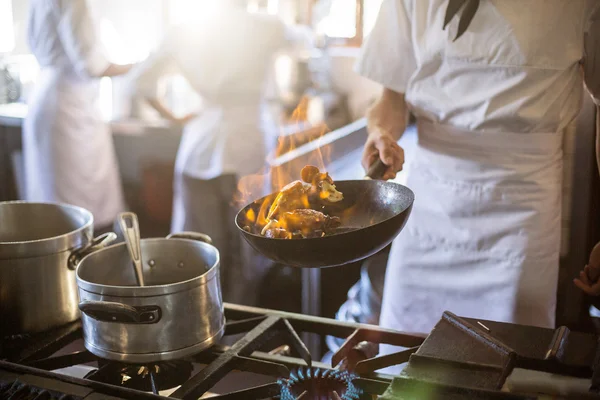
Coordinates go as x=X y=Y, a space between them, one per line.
x=360 y=91
x=19 y=9
x=144 y=27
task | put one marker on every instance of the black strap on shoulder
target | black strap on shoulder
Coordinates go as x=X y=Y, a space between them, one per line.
x=469 y=8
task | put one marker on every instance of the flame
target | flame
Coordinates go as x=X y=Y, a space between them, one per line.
x=251 y=216
x=283 y=169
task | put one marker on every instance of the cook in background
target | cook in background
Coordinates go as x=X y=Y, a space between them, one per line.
x=225 y=56
x=68 y=150
x=483 y=237
x=589 y=278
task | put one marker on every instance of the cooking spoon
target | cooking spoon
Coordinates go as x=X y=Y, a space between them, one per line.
x=131 y=230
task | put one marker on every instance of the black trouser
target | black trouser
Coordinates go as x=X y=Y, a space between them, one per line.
x=208 y=209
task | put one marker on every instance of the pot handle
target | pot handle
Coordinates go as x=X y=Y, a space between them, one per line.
x=201 y=237
x=109 y=311
x=96 y=244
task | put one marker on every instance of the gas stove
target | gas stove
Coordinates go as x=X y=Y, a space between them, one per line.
x=263 y=357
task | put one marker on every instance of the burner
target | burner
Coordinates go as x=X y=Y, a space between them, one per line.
x=317 y=384
x=148 y=378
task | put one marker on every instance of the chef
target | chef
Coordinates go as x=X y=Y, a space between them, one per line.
x=483 y=237
x=589 y=278
x=225 y=56
x=68 y=150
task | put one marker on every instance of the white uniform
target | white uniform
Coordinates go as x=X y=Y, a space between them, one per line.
x=226 y=58
x=68 y=150
x=483 y=237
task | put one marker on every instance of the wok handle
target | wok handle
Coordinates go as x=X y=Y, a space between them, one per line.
x=98 y=243
x=376 y=170
x=109 y=311
x=201 y=237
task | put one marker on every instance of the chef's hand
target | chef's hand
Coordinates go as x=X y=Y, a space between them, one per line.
x=385 y=147
x=386 y=122
x=585 y=282
x=589 y=278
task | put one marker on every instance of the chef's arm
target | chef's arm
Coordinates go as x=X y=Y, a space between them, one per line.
x=147 y=77
x=386 y=122
x=388 y=115
x=116 y=70
x=166 y=113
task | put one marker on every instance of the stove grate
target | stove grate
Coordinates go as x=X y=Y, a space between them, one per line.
x=22 y=391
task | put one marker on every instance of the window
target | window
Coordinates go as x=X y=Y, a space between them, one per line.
x=345 y=22
x=7 y=34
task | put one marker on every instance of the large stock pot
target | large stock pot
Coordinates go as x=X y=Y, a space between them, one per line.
x=178 y=312
x=40 y=246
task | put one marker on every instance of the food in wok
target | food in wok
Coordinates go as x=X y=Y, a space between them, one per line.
x=295 y=212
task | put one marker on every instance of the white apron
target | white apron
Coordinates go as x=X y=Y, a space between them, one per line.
x=484 y=235
x=68 y=150
x=223 y=140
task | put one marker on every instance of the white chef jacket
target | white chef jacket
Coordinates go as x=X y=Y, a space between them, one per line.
x=68 y=150
x=483 y=237
x=232 y=54
x=510 y=71
x=62 y=33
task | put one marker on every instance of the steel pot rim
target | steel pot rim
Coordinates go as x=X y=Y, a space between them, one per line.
x=149 y=290
x=74 y=239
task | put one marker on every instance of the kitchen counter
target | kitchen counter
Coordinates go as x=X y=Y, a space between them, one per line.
x=138 y=144
x=12 y=115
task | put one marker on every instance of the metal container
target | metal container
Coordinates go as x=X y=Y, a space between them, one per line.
x=177 y=313
x=40 y=245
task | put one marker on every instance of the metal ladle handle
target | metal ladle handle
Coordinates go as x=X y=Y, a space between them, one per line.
x=131 y=231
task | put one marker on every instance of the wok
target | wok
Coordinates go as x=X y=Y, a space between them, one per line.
x=373 y=213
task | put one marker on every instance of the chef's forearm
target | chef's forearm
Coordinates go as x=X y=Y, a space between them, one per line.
x=116 y=70
x=389 y=114
x=161 y=108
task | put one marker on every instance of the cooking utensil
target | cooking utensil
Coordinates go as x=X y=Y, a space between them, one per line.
x=40 y=246
x=131 y=231
x=177 y=313
x=373 y=213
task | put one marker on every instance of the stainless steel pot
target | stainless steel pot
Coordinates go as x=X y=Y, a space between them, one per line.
x=40 y=245
x=177 y=313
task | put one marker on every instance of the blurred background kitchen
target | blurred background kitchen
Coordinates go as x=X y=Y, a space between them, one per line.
x=145 y=144
x=319 y=102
